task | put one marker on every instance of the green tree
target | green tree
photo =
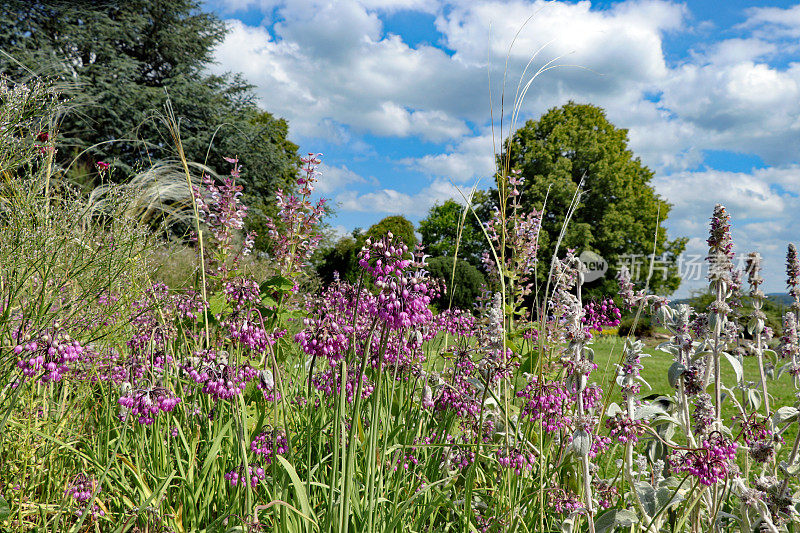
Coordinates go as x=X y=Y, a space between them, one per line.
x=341 y=258
x=619 y=213
x=464 y=287
x=399 y=226
x=440 y=229
x=118 y=63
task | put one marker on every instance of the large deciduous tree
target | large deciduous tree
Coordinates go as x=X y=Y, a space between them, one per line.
x=619 y=215
x=118 y=62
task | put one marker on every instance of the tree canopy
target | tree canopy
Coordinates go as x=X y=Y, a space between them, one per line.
x=342 y=256
x=118 y=63
x=619 y=215
x=466 y=283
x=440 y=229
x=399 y=226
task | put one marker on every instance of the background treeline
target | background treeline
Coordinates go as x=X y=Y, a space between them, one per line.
x=122 y=65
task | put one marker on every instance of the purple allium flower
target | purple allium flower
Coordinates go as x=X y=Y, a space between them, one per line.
x=515 y=459
x=624 y=429
x=269 y=443
x=606 y=493
x=711 y=463
x=598 y=315
x=562 y=501
x=147 y=401
x=753 y=428
x=49 y=356
x=82 y=487
x=548 y=402
x=256 y=473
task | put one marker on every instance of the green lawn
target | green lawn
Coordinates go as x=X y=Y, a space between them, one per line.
x=608 y=351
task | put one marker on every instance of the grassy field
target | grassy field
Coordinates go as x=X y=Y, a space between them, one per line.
x=608 y=351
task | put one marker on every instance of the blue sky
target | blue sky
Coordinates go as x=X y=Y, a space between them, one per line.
x=395 y=94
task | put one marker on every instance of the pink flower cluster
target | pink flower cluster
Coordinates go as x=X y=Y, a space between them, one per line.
x=515 y=459
x=295 y=235
x=220 y=378
x=564 y=502
x=269 y=443
x=710 y=463
x=329 y=381
x=405 y=293
x=220 y=207
x=518 y=232
x=597 y=315
x=241 y=293
x=546 y=401
x=624 y=429
x=152 y=319
x=460 y=395
x=255 y=474
x=328 y=328
x=147 y=402
x=82 y=487
x=49 y=356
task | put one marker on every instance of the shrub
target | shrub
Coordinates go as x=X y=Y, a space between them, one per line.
x=466 y=286
x=643 y=327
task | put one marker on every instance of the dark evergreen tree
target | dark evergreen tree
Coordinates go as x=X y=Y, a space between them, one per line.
x=118 y=62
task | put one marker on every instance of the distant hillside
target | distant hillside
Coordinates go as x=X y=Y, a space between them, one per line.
x=778 y=298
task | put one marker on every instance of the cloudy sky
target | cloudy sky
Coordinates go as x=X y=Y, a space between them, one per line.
x=396 y=95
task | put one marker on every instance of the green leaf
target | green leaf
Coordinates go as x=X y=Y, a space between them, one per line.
x=736 y=364
x=216 y=304
x=784 y=414
x=5 y=509
x=648 y=411
x=647 y=495
x=277 y=284
x=676 y=370
x=614 y=518
x=299 y=489
x=613 y=409
x=268 y=301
